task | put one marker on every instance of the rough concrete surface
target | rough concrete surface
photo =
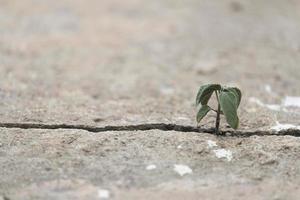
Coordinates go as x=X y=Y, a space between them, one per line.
x=76 y=164
x=126 y=62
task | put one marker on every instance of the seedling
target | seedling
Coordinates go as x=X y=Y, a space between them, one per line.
x=228 y=99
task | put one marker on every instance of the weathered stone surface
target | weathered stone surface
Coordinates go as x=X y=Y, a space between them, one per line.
x=81 y=163
x=129 y=62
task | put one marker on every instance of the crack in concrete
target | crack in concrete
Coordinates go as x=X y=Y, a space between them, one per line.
x=153 y=126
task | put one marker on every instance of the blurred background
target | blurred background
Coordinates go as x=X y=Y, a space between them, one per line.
x=135 y=61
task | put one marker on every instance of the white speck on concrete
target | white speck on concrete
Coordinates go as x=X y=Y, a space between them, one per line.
x=211 y=144
x=268 y=89
x=183 y=169
x=288 y=101
x=280 y=127
x=182 y=118
x=291 y=101
x=103 y=194
x=275 y=107
x=151 y=167
x=179 y=147
x=223 y=153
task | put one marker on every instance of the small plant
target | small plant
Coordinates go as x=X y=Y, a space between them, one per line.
x=228 y=98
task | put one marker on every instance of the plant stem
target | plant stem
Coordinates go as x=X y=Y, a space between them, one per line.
x=218 y=115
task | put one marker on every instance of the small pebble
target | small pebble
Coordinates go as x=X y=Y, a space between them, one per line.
x=103 y=194
x=151 y=167
x=183 y=169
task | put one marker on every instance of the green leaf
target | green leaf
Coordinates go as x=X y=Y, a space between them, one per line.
x=238 y=94
x=229 y=106
x=202 y=112
x=205 y=93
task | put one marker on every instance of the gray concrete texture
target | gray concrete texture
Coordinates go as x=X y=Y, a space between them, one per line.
x=126 y=62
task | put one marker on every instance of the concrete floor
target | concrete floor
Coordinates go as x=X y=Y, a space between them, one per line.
x=101 y=63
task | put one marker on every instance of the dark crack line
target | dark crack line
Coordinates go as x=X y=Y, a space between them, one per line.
x=146 y=127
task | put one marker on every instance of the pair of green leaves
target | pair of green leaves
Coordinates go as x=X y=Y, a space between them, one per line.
x=229 y=99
